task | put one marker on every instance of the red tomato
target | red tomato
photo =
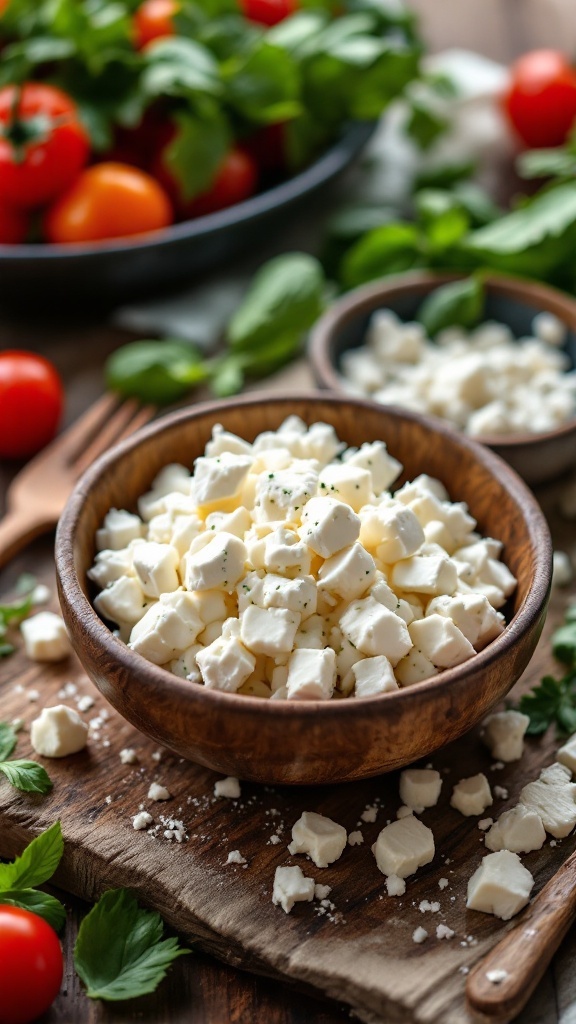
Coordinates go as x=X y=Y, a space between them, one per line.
x=31 y=965
x=268 y=147
x=268 y=12
x=31 y=403
x=235 y=180
x=153 y=20
x=13 y=225
x=108 y=200
x=43 y=145
x=541 y=99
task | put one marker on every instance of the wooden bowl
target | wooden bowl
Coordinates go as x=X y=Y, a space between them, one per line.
x=320 y=741
x=538 y=458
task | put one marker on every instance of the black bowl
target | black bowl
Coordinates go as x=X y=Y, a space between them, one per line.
x=125 y=268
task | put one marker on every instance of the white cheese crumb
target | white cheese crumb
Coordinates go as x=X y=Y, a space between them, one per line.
x=17 y=724
x=228 y=787
x=501 y=792
x=370 y=814
x=472 y=795
x=235 y=857
x=395 y=886
x=322 y=839
x=33 y=695
x=444 y=932
x=426 y=907
x=274 y=840
x=142 y=820
x=562 y=569
x=442 y=883
x=291 y=886
x=355 y=838
x=128 y=756
x=58 y=731
x=419 y=935
x=485 y=823
x=85 y=702
x=496 y=976
x=158 y=792
x=45 y=637
x=321 y=891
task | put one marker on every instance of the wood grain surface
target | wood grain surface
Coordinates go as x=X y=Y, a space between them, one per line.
x=361 y=952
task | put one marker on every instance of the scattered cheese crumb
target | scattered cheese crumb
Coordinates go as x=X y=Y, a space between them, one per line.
x=158 y=792
x=355 y=839
x=321 y=891
x=291 y=886
x=425 y=906
x=562 y=570
x=142 y=820
x=235 y=857
x=58 y=731
x=485 y=823
x=395 y=885
x=45 y=637
x=128 y=756
x=228 y=787
x=501 y=792
x=444 y=932
x=85 y=702
x=370 y=814
x=33 y=695
x=419 y=935
x=442 y=883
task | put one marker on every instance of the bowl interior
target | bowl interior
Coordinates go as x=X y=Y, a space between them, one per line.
x=262 y=739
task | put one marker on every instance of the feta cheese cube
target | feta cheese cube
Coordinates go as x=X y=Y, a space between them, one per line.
x=290 y=887
x=553 y=797
x=228 y=787
x=414 y=668
x=348 y=483
x=500 y=886
x=142 y=820
x=373 y=676
x=404 y=846
x=297 y=595
x=158 y=792
x=426 y=574
x=45 y=637
x=168 y=627
x=420 y=787
x=519 y=830
x=319 y=837
x=328 y=526
x=219 y=477
x=503 y=733
x=118 y=529
x=282 y=495
x=349 y=573
x=472 y=796
x=311 y=674
x=58 y=731
x=123 y=601
x=225 y=664
x=224 y=441
x=156 y=566
x=285 y=553
x=219 y=564
x=268 y=630
x=392 y=531
x=567 y=754
x=472 y=614
x=440 y=640
x=374 y=630
x=375 y=457
x=110 y=565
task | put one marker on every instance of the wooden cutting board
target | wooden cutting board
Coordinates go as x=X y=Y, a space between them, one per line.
x=358 y=950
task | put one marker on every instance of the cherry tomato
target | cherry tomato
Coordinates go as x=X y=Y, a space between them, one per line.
x=13 y=225
x=235 y=180
x=43 y=145
x=153 y=20
x=31 y=965
x=541 y=99
x=268 y=147
x=108 y=200
x=31 y=403
x=268 y=12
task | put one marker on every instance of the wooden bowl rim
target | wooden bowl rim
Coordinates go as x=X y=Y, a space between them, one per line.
x=153 y=676
x=543 y=298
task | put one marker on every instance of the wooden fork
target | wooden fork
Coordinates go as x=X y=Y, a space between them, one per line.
x=39 y=492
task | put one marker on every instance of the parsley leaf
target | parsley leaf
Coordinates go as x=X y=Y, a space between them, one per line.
x=7 y=740
x=36 y=902
x=554 y=700
x=37 y=863
x=28 y=776
x=119 y=952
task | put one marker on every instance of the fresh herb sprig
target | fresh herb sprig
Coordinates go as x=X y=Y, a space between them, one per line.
x=554 y=700
x=19 y=879
x=28 y=776
x=12 y=612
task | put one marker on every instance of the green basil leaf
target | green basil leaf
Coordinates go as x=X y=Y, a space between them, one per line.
x=8 y=740
x=179 y=67
x=41 y=903
x=285 y=296
x=424 y=125
x=389 y=249
x=28 y=776
x=197 y=151
x=559 y=162
x=265 y=85
x=37 y=863
x=299 y=33
x=14 y=611
x=159 y=372
x=228 y=377
x=458 y=304
x=534 y=239
x=119 y=952
x=6 y=649
x=443 y=176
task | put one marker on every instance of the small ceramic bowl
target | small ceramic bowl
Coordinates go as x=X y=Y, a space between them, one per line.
x=538 y=458
x=306 y=742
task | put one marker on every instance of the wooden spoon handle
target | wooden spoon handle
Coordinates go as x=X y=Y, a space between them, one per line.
x=16 y=530
x=525 y=952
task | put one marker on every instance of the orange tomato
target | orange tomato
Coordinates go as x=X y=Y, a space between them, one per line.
x=108 y=200
x=153 y=20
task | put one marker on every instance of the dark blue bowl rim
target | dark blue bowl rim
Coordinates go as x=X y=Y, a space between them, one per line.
x=335 y=159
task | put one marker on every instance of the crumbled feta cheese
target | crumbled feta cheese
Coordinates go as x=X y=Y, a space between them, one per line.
x=500 y=886
x=235 y=857
x=142 y=820
x=403 y=846
x=321 y=891
x=158 y=792
x=128 y=756
x=420 y=787
x=519 y=830
x=228 y=787
x=45 y=637
x=419 y=935
x=395 y=886
x=562 y=569
x=553 y=797
x=319 y=837
x=471 y=796
x=503 y=733
x=567 y=754
x=58 y=731
x=355 y=838
x=444 y=932
x=290 y=887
